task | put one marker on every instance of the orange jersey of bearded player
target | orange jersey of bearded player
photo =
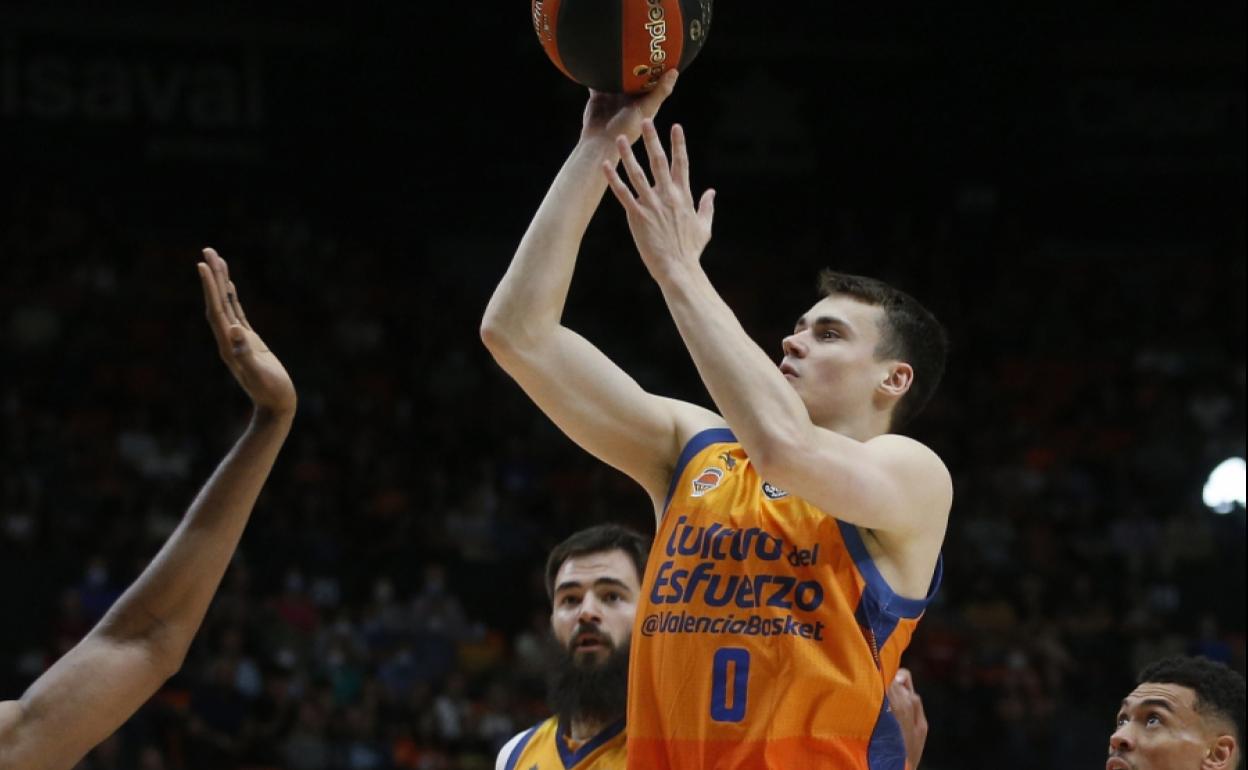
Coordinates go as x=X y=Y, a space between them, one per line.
x=766 y=637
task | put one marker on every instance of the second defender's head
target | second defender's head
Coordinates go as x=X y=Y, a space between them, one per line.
x=1186 y=713
x=594 y=582
x=865 y=354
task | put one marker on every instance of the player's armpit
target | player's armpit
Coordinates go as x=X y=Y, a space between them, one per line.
x=891 y=483
x=78 y=702
x=600 y=407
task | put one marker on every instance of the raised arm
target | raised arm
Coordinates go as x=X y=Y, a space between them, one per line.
x=143 y=639
x=891 y=485
x=591 y=399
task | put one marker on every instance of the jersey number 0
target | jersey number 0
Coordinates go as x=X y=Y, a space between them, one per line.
x=728 y=690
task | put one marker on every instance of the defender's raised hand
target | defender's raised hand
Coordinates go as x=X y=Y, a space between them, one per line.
x=668 y=229
x=254 y=366
x=144 y=637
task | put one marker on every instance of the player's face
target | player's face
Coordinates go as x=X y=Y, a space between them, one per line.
x=1158 y=729
x=595 y=603
x=829 y=359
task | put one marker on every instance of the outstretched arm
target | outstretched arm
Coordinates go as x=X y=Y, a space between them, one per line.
x=590 y=398
x=143 y=639
x=889 y=483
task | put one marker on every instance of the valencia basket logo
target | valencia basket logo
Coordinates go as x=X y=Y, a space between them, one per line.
x=706 y=481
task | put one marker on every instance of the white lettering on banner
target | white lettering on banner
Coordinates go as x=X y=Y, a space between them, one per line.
x=217 y=93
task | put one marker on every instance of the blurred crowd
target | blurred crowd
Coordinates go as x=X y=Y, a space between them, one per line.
x=386 y=607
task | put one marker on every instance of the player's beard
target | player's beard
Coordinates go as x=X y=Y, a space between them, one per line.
x=585 y=691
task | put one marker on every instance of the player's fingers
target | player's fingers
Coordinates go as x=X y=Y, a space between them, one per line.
x=654 y=150
x=706 y=207
x=618 y=188
x=214 y=312
x=212 y=301
x=210 y=290
x=904 y=678
x=221 y=271
x=229 y=301
x=651 y=102
x=680 y=159
x=636 y=174
x=238 y=306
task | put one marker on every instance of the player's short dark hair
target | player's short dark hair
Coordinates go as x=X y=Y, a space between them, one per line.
x=1219 y=689
x=597 y=539
x=910 y=333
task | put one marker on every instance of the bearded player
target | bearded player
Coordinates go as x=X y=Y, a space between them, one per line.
x=798 y=536
x=143 y=639
x=593 y=580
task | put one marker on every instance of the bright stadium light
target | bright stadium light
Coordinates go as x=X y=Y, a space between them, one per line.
x=1225 y=488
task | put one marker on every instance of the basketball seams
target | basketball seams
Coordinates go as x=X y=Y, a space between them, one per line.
x=676 y=33
x=546 y=26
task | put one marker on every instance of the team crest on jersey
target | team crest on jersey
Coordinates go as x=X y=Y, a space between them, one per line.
x=706 y=481
x=773 y=492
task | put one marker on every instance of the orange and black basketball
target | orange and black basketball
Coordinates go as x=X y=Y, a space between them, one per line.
x=621 y=46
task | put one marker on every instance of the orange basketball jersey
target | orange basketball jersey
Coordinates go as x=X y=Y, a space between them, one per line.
x=545 y=747
x=766 y=637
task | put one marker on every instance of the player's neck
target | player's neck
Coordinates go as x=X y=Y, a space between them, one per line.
x=861 y=427
x=582 y=730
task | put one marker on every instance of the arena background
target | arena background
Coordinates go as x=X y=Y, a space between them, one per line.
x=1062 y=182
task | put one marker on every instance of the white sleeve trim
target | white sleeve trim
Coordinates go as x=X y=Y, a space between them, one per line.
x=505 y=752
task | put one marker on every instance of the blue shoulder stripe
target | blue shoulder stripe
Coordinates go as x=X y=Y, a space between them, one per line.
x=883 y=594
x=520 y=747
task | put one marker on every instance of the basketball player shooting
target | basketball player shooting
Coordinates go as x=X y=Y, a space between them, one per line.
x=143 y=639
x=798 y=537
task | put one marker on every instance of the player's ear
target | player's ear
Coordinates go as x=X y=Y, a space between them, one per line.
x=898 y=379
x=1221 y=755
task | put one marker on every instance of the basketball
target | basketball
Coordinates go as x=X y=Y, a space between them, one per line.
x=621 y=46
